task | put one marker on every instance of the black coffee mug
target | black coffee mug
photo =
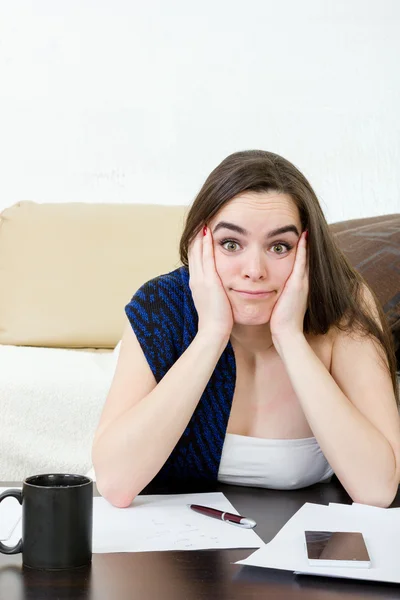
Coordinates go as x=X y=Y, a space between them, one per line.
x=57 y=521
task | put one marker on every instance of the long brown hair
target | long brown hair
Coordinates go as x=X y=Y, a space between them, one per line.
x=337 y=296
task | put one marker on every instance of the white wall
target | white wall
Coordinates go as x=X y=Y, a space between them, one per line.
x=128 y=101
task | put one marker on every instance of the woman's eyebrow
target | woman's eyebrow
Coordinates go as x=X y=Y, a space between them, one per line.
x=242 y=231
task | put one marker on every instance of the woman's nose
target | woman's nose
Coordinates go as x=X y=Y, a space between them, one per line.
x=255 y=267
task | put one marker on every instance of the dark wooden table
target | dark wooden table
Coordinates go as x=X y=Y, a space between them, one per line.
x=203 y=574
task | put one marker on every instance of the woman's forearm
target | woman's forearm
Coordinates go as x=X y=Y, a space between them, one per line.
x=357 y=451
x=134 y=447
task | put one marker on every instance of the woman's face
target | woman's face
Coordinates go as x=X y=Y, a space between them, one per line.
x=249 y=257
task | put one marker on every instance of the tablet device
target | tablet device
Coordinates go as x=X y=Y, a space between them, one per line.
x=336 y=549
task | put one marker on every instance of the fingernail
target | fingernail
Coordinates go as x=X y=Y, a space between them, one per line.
x=306 y=236
x=204 y=229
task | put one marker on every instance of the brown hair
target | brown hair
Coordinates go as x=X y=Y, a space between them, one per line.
x=337 y=296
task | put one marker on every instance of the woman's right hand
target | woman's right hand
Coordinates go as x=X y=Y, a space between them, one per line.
x=210 y=299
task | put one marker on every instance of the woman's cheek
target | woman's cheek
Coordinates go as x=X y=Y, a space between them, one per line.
x=284 y=276
x=219 y=262
x=289 y=268
x=223 y=271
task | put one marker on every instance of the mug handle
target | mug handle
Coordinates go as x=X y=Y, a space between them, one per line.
x=18 y=548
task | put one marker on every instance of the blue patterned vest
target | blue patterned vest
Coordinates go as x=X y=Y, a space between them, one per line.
x=165 y=321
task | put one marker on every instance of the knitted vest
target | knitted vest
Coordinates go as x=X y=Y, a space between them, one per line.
x=165 y=321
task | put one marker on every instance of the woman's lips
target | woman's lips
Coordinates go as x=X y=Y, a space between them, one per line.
x=254 y=295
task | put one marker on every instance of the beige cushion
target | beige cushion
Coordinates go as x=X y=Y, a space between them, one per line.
x=67 y=270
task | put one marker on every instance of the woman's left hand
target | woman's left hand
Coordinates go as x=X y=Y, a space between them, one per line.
x=287 y=316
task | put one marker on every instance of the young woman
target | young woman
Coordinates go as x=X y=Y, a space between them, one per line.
x=264 y=360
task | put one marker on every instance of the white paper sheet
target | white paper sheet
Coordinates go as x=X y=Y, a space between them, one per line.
x=10 y=515
x=380 y=527
x=161 y=522
x=164 y=522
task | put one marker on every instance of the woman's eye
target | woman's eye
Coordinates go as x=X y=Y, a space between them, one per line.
x=227 y=244
x=232 y=246
x=286 y=246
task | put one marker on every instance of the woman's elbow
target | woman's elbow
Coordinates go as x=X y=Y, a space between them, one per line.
x=115 y=493
x=119 y=500
x=113 y=486
x=379 y=498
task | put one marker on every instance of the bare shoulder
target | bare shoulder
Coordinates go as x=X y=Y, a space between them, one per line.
x=370 y=304
x=340 y=337
x=337 y=345
x=359 y=362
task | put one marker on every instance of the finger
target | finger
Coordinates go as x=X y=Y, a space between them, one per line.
x=195 y=256
x=308 y=265
x=208 y=255
x=300 y=263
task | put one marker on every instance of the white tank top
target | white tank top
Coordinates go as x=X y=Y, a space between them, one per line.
x=269 y=463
